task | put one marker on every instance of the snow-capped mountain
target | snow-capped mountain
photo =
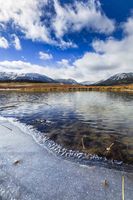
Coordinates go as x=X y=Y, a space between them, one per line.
x=67 y=81
x=86 y=83
x=117 y=79
x=29 y=77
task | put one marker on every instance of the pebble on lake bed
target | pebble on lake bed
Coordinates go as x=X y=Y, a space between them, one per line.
x=16 y=162
x=105 y=183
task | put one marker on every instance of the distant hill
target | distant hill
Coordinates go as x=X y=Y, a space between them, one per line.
x=29 y=77
x=117 y=79
x=32 y=77
x=67 y=81
x=86 y=83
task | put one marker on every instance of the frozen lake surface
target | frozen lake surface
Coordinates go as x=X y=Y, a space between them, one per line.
x=82 y=126
x=30 y=172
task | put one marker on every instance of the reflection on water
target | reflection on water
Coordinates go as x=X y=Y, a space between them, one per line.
x=91 y=122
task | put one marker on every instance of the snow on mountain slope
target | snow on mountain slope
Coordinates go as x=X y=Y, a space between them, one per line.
x=86 y=83
x=67 y=81
x=29 y=77
x=117 y=79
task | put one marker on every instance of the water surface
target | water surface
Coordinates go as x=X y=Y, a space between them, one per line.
x=89 y=125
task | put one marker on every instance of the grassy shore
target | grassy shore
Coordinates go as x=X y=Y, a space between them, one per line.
x=47 y=87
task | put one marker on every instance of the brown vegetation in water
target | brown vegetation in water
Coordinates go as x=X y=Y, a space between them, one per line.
x=45 y=87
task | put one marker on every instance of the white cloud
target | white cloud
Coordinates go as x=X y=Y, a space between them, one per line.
x=66 y=44
x=128 y=26
x=25 y=16
x=4 y=43
x=19 y=67
x=109 y=57
x=45 y=56
x=75 y=17
x=16 y=42
x=26 y=67
x=63 y=63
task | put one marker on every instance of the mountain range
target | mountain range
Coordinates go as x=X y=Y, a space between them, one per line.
x=86 y=83
x=29 y=77
x=67 y=81
x=118 y=79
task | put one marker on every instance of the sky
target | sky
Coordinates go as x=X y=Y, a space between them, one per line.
x=85 y=40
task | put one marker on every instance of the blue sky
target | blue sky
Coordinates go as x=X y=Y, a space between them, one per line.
x=87 y=40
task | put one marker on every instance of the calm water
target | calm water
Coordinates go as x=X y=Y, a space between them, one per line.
x=86 y=125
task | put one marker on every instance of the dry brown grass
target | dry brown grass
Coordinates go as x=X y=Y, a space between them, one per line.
x=45 y=87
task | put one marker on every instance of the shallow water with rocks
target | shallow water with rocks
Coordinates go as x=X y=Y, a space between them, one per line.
x=84 y=126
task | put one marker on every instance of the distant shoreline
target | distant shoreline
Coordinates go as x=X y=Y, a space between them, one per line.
x=50 y=87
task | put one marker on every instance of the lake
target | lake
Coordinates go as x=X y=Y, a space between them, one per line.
x=82 y=126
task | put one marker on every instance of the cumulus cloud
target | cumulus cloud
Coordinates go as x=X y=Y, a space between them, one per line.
x=110 y=56
x=25 y=15
x=4 y=43
x=16 y=42
x=45 y=56
x=128 y=26
x=26 y=67
x=36 y=22
x=63 y=63
x=75 y=17
x=19 y=67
